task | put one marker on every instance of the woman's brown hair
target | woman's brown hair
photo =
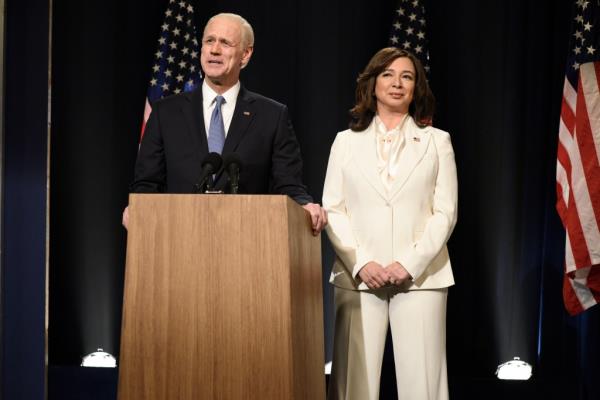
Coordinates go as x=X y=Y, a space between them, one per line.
x=422 y=106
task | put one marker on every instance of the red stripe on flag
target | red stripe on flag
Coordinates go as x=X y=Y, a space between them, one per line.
x=567 y=116
x=142 y=131
x=147 y=111
x=561 y=206
x=573 y=227
x=564 y=160
x=572 y=303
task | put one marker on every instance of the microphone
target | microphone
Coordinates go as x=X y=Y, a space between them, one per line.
x=210 y=165
x=233 y=164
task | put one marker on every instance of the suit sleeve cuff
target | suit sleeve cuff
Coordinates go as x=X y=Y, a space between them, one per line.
x=362 y=259
x=414 y=264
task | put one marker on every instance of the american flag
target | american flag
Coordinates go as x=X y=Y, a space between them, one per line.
x=408 y=30
x=176 y=66
x=578 y=165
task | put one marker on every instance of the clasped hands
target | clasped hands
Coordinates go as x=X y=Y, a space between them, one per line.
x=374 y=275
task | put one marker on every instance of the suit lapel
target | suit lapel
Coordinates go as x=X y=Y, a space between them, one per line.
x=193 y=112
x=364 y=153
x=242 y=116
x=416 y=143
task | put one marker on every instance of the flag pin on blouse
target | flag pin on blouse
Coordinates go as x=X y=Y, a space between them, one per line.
x=246 y=113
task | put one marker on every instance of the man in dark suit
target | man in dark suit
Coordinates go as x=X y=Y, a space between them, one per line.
x=224 y=117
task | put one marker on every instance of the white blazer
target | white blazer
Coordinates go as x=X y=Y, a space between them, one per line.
x=409 y=224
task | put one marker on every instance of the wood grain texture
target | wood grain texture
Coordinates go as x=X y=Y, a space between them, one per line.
x=222 y=300
x=306 y=305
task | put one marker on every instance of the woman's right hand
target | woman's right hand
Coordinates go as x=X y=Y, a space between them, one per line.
x=374 y=275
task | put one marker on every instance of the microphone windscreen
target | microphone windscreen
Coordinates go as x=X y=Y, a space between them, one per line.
x=213 y=159
x=232 y=158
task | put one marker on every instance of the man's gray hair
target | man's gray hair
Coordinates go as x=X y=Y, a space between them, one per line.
x=246 y=28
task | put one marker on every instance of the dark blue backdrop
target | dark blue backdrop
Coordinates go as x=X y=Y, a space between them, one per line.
x=24 y=201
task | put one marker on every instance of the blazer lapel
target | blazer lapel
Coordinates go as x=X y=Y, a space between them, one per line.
x=242 y=116
x=193 y=112
x=364 y=153
x=415 y=146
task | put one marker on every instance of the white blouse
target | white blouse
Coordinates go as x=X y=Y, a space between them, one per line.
x=389 y=148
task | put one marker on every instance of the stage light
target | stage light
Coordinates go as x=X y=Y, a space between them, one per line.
x=514 y=369
x=328 y=368
x=99 y=359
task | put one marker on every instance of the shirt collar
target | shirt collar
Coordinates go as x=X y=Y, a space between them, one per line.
x=209 y=95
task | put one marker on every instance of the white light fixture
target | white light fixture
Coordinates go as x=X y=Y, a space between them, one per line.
x=328 y=368
x=514 y=369
x=99 y=359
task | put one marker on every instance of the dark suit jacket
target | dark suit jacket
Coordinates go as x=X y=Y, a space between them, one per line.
x=261 y=133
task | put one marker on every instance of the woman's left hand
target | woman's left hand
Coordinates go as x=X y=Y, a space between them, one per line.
x=398 y=274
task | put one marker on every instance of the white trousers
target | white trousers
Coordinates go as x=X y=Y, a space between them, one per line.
x=418 y=322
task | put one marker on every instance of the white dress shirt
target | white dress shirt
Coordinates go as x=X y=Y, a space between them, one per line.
x=208 y=104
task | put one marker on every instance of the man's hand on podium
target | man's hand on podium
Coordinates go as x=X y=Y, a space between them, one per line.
x=318 y=217
x=125 y=220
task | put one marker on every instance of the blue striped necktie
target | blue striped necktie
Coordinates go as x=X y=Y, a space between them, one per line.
x=216 y=130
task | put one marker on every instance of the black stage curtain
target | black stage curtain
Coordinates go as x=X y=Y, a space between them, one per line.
x=23 y=191
x=497 y=72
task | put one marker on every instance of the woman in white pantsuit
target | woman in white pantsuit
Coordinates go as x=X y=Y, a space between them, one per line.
x=391 y=195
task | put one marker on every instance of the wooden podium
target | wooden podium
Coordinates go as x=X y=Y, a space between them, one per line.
x=223 y=300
